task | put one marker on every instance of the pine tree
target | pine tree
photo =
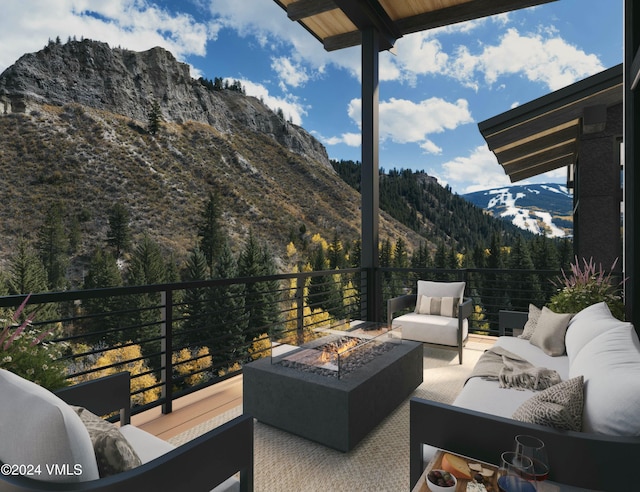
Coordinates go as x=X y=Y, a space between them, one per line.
x=155 y=117
x=103 y=272
x=53 y=247
x=523 y=288
x=261 y=298
x=27 y=273
x=227 y=307
x=119 y=234
x=195 y=311
x=147 y=267
x=210 y=231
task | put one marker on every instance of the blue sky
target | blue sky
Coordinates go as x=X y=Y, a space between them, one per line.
x=433 y=92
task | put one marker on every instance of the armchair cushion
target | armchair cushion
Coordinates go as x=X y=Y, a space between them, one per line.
x=429 y=328
x=113 y=452
x=40 y=429
x=440 y=306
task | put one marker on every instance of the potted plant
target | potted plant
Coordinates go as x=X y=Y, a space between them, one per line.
x=587 y=285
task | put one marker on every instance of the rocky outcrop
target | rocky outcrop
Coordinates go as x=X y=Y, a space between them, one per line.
x=128 y=83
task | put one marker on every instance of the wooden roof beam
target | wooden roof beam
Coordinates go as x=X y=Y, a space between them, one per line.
x=302 y=9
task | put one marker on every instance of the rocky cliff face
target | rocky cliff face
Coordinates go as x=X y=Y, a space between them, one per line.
x=127 y=82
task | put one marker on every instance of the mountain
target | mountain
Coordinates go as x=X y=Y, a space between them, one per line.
x=538 y=208
x=73 y=133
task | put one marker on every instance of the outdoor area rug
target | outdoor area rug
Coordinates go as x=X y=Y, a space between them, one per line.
x=287 y=463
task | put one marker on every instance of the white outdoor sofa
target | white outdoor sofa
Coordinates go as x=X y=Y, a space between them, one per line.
x=604 y=450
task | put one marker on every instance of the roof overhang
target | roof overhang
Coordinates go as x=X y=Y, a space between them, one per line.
x=543 y=135
x=338 y=24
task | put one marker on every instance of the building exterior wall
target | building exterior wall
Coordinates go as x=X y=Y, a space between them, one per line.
x=597 y=226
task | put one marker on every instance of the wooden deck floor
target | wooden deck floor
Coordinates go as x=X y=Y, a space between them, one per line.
x=192 y=409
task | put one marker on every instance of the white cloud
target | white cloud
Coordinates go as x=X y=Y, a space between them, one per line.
x=477 y=171
x=290 y=73
x=289 y=105
x=132 y=24
x=403 y=121
x=546 y=59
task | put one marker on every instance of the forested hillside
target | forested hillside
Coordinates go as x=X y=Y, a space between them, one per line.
x=433 y=211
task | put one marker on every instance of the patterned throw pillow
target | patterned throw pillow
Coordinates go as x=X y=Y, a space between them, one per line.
x=441 y=306
x=113 y=452
x=532 y=322
x=559 y=406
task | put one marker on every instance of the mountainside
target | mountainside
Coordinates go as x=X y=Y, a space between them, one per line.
x=128 y=83
x=538 y=208
x=74 y=132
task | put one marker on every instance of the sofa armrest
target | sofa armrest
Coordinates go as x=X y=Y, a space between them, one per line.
x=511 y=320
x=576 y=458
x=198 y=465
x=102 y=396
x=399 y=304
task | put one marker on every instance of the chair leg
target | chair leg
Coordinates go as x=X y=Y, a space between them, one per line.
x=459 y=354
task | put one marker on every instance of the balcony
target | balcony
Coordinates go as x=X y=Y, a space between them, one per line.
x=185 y=344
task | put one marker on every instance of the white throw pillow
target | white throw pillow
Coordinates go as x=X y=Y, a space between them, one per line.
x=550 y=331
x=588 y=324
x=441 y=289
x=40 y=429
x=610 y=364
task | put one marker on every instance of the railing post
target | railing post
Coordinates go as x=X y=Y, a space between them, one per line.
x=300 y=308
x=166 y=373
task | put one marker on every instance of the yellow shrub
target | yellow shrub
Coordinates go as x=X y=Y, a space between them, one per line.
x=124 y=357
x=192 y=369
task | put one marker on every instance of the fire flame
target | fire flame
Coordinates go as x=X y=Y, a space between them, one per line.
x=332 y=349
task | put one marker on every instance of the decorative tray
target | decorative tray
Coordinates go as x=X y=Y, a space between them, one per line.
x=489 y=472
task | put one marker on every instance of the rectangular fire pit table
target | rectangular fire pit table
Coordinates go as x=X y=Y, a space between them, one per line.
x=337 y=412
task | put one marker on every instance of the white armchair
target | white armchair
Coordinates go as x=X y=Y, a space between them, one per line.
x=45 y=444
x=440 y=314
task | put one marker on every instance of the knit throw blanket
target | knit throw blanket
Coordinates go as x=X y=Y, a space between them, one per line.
x=512 y=371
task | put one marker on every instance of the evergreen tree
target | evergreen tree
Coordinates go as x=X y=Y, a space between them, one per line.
x=227 y=345
x=210 y=231
x=261 y=298
x=147 y=267
x=119 y=234
x=27 y=273
x=523 y=287
x=195 y=310
x=335 y=253
x=53 y=247
x=103 y=272
x=155 y=117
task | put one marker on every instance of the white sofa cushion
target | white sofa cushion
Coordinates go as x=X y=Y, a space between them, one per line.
x=150 y=447
x=40 y=429
x=610 y=364
x=147 y=446
x=586 y=325
x=430 y=328
x=486 y=396
x=441 y=289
